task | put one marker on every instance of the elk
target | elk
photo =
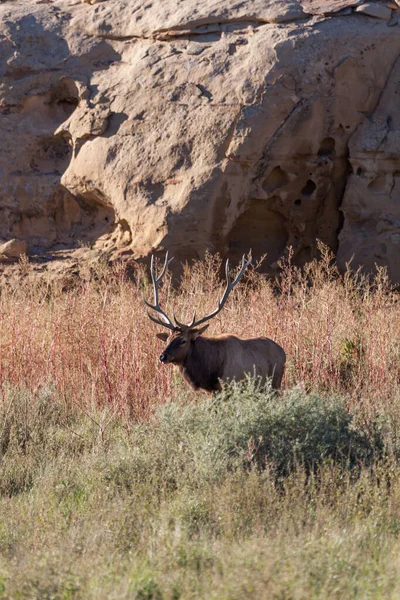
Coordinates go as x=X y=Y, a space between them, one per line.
x=206 y=362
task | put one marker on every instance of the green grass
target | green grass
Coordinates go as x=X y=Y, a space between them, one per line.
x=245 y=495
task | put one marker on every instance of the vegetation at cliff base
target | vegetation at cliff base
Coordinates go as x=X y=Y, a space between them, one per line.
x=118 y=482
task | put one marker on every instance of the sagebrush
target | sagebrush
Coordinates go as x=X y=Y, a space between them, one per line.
x=117 y=481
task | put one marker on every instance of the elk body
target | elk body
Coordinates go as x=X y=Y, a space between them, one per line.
x=205 y=362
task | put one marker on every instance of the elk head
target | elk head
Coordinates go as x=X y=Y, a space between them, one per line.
x=178 y=345
x=181 y=336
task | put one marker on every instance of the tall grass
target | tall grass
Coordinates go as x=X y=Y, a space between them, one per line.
x=96 y=345
x=247 y=495
x=116 y=481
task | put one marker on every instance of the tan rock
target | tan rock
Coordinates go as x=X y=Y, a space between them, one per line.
x=371 y=209
x=326 y=7
x=123 y=18
x=373 y=9
x=196 y=126
x=13 y=249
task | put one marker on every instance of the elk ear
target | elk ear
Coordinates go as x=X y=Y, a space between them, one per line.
x=197 y=332
x=162 y=336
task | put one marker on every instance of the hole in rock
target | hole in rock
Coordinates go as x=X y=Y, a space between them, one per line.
x=64 y=96
x=327 y=147
x=261 y=229
x=55 y=106
x=41 y=161
x=50 y=154
x=297 y=202
x=276 y=179
x=309 y=188
x=82 y=219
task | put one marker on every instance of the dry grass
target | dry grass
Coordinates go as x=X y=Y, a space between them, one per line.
x=97 y=346
x=245 y=496
x=183 y=507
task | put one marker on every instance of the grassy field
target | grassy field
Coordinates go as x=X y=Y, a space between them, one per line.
x=118 y=482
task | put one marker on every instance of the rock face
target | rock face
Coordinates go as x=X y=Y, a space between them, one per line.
x=371 y=203
x=13 y=249
x=218 y=125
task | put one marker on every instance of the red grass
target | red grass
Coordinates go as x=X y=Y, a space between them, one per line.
x=97 y=346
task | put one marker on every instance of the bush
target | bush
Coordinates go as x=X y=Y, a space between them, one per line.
x=245 y=426
x=187 y=505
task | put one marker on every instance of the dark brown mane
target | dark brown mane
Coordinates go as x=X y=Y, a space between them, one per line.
x=203 y=367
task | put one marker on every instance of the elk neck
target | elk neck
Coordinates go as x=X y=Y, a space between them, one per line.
x=203 y=365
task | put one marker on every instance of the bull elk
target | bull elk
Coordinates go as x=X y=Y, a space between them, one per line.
x=205 y=362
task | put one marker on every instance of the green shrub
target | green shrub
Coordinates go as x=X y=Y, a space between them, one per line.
x=143 y=586
x=245 y=426
x=187 y=505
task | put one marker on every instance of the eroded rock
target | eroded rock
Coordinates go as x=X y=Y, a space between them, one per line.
x=187 y=126
x=13 y=249
x=373 y=9
x=371 y=204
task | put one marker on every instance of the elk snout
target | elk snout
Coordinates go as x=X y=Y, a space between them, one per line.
x=163 y=358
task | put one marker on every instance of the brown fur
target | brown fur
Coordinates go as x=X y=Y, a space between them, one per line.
x=206 y=361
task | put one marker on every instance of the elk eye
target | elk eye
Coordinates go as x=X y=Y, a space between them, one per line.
x=182 y=342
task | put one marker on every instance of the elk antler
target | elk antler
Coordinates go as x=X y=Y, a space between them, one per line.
x=228 y=289
x=156 y=280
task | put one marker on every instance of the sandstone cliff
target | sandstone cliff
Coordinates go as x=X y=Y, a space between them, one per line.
x=188 y=125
